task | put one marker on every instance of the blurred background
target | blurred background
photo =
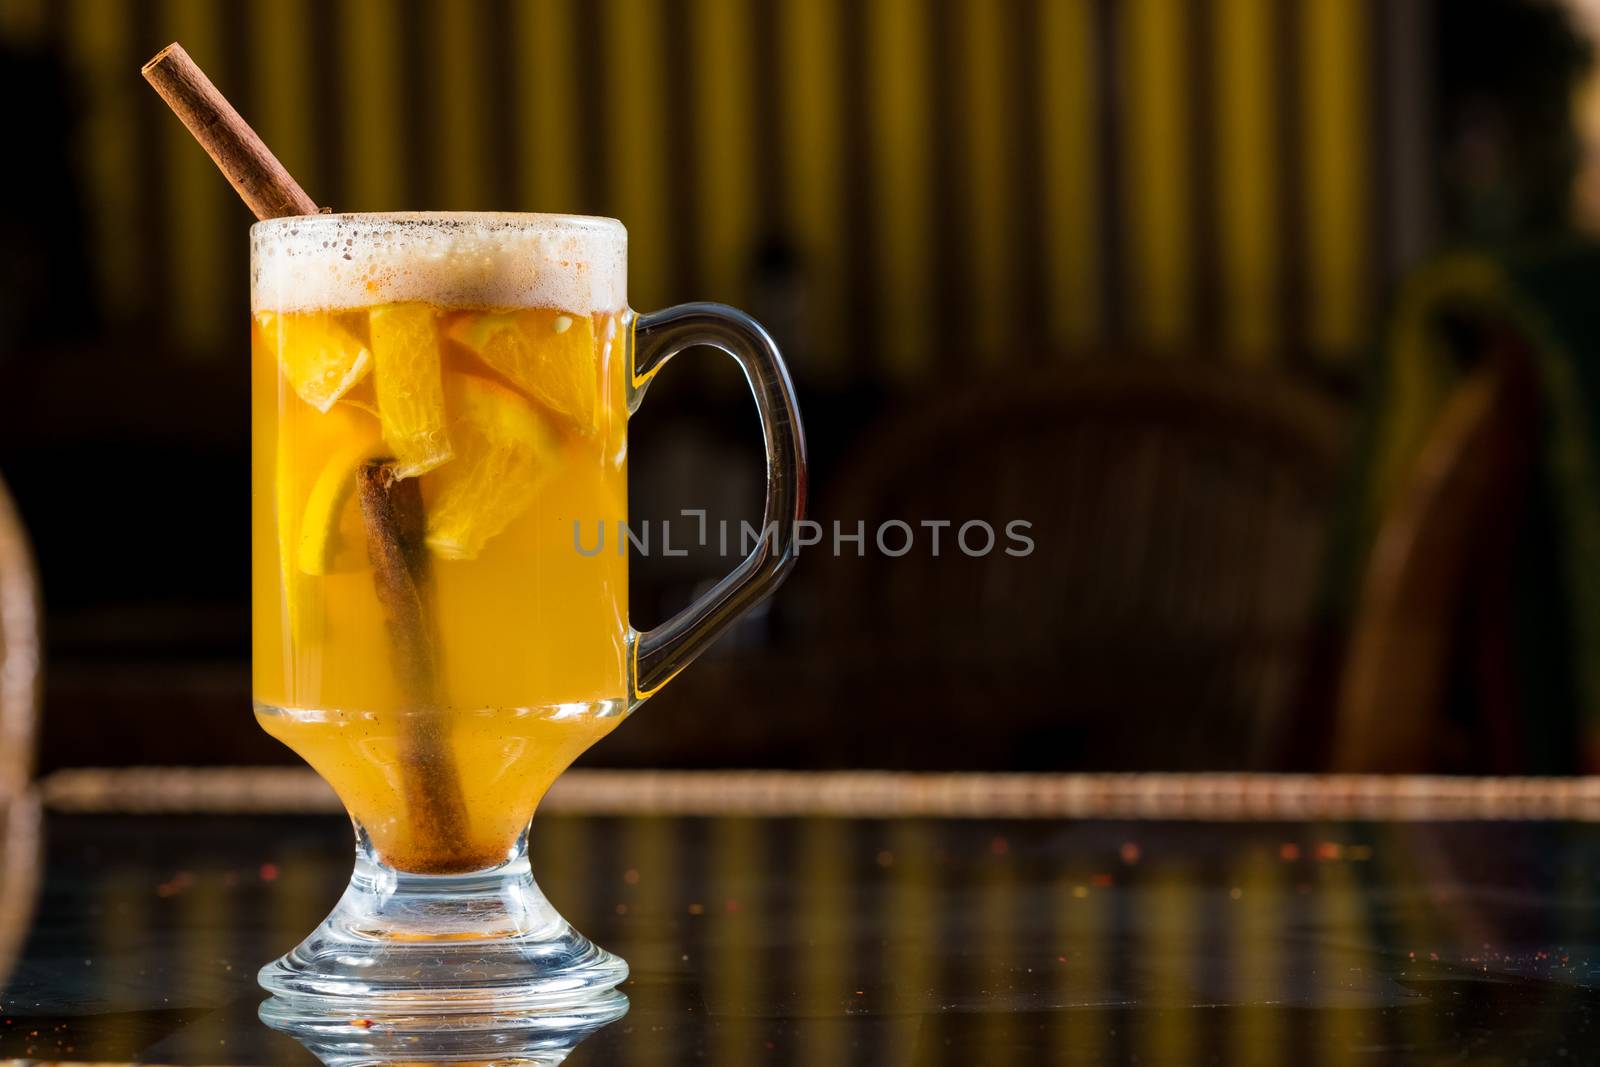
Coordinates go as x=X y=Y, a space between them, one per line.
x=1272 y=317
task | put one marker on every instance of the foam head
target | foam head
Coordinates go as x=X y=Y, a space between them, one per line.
x=466 y=259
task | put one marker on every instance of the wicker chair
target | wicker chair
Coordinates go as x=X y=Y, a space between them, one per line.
x=19 y=705
x=1436 y=593
x=19 y=653
x=1162 y=619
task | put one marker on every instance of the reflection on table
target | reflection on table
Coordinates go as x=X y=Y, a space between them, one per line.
x=872 y=941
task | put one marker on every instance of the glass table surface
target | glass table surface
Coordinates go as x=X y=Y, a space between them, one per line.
x=865 y=941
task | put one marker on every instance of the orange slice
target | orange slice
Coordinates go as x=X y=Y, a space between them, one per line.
x=321 y=358
x=409 y=386
x=362 y=397
x=504 y=451
x=550 y=355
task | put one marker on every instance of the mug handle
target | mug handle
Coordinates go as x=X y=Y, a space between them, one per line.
x=659 y=654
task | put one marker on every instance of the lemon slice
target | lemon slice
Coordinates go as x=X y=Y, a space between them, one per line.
x=550 y=355
x=504 y=451
x=315 y=535
x=332 y=537
x=409 y=387
x=321 y=359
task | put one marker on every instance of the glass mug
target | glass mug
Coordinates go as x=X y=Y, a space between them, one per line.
x=438 y=401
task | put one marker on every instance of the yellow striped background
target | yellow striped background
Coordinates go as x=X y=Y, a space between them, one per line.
x=1247 y=175
x=594 y=116
x=1158 y=170
x=639 y=147
x=1068 y=212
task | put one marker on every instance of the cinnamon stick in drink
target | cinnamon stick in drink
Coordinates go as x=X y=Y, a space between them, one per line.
x=391 y=510
x=391 y=507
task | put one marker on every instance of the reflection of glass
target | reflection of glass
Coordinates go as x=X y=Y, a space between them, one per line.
x=489 y=1038
x=440 y=405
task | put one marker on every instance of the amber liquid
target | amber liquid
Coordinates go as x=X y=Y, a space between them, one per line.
x=513 y=424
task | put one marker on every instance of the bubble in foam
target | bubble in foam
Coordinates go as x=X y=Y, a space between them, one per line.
x=467 y=259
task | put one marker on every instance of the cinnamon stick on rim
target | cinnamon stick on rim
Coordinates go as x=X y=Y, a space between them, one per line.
x=254 y=172
x=391 y=508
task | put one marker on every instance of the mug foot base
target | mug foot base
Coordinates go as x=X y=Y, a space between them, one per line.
x=484 y=946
